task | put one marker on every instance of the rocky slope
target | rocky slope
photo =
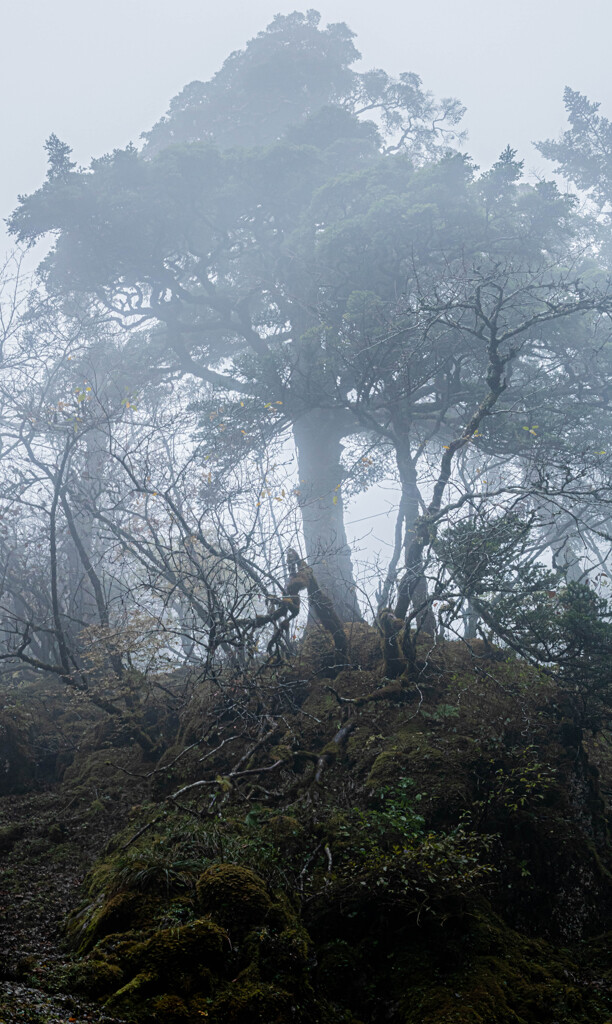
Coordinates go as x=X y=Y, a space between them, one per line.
x=309 y=843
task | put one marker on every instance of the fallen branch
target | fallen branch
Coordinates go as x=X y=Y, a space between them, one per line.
x=229 y=776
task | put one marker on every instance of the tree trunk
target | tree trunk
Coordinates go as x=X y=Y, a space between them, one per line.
x=83 y=603
x=471 y=619
x=317 y=437
x=413 y=586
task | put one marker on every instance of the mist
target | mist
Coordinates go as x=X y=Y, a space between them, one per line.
x=306 y=513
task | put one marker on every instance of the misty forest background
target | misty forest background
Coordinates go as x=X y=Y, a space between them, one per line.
x=298 y=290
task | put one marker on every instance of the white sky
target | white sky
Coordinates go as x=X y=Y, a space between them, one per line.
x=98 y=72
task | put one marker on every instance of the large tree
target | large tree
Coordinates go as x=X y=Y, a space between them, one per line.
x=205 y=238
x=297 y=237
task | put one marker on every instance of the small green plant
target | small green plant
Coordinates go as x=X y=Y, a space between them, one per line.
x=387 y=854
x=398 y=812
x=513 y=787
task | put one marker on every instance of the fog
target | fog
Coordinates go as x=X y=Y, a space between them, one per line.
x=98 y=73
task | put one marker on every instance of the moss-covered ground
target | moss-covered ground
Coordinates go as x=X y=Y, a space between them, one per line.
x=314 y=844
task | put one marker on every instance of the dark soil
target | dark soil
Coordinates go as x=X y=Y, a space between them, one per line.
x=47 y=848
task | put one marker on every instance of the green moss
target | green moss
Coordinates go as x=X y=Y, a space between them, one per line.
x=136 y=973
x=234 y=895
x=280 y=957
x=169 y=1009
x=95 y=977
x=133 y=994
x=254 y=1002
x=284 y=832
x=386 y=768
x=503 y=978
x=9 y=836
x=200 y=942
x=339 y=968
x=121 y=912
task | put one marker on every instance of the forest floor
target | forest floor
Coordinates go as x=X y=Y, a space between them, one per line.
x=360 y=851
x=47 y=847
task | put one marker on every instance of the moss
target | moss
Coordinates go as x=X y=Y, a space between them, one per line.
x=200 y=942
x=364 y=651
x=169 y=1009
x=136 y=973
x=284 y=832
x=134 y=992
x=95 y=977
x=320 y=704
x=281 y=752
x=441 y=767
x=174 y=963
x=9 y=836
x=254 y=1002
x=280 y=957
x=121 y=912
x=234 y=895
x=389 y=764
x=56 y=834
x=497 y=975
x=349 y=901
x=339 y=969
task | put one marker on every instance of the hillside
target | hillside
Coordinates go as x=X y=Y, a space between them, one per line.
x=308 y=845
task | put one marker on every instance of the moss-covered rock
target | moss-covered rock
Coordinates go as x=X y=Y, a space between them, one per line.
x=255 y=1002
x=284 y=832
x=234 y=895
x=318 y=655
x=497 y=975
x=144 y=977
x=96 y=977
x=104 y=916
x=169 y=1009
x=199 y=943
x=133 y=996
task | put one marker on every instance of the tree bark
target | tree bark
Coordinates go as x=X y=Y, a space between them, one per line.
x=413 y=586
x=471 y=619
x=85 y=599
x=317 y=435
